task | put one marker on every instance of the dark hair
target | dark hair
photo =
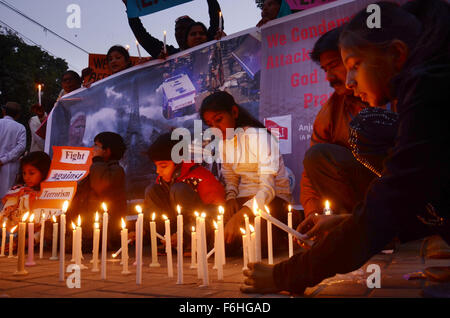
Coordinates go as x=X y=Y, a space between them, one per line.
x=188 y=29
x=121 y=50
x=113 y=142
x=86 y=72
x=161 y=148
x=38 y=159
x=74 y=74
x=222 y=101
x=327 y=42
x=12 y=109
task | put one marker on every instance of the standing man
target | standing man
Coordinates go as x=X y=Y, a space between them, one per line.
x=13 y=145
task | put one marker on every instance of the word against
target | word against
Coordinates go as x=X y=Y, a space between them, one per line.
x=374 y=19
x=74 y=279
x=374 y=279
x=74 y=19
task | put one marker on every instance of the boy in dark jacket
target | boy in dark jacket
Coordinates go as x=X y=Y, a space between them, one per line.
x=189 y=185
x=105 y=183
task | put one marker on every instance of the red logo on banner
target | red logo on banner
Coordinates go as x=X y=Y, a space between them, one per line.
x=282 y=131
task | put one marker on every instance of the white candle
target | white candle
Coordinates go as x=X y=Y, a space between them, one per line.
x=290 y=238
x=54 y=240
x=104 y=241
x=220 y=20
x=21 y=247
x=222 y=234
x=39 y=93
x=62 y=241
x=79 y=243
x=96 y=227
x=30 y=259
x=168 y=246
x=74 y=242
x=154 y=262
x=193 y=248
x=139 y=237
x=244 y=248
x=218 y=252
x=198 y=242
x=269 y=240
x=203 y=245
x=124 y=241
x=11 y=242
x=247 y=226
x=2 y=253
x=179 y=246
x=139 y=51
x=257 y=232
x=165 y=48
x=41 y=236
x=326 y=209
x=251 y=245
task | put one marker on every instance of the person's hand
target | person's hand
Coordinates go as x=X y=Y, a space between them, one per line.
x=259 y=279
x=163 y=55
x=220 y=34
x=231 y=230
x=231 y=207
x=318 y=225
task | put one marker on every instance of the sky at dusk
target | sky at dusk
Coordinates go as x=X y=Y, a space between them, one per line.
x=104 y=23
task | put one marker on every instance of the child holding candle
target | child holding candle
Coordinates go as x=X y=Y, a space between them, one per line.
x=265 y=180
x=105 y=183
x=189 y=185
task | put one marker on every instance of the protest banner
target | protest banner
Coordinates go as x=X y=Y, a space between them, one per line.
x=137 y=8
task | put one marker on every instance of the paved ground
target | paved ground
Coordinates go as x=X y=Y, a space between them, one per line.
x=42 y=280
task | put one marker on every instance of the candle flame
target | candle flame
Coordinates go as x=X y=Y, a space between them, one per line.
x=245 y=215
x=73 y=226
x=215 y=225
x=54 y=219
x=114 y=255
x=79 y=220
x=65 y=206
x=96 y=216
x=327 y=204
x=104 y=207
x=220 y=14
x=39 y=86
x=242 y=231
x=267 y=209
x=255 y=207
x=96 y=225
x=221 y=210
x=203 y=215
x=219 y=217
x=165 y=217
x=138 y=209
x=4 y=224
x=193 y=229
x=289 y=208
x=252 y=229
x=153 y=216
x=137 y=43
x=178 y=209
x=25 y=216
x=165 y=33
x=13 y=229
x=127 y=47
x=196 y=214
x=31 y=218
x=123 y=224
x=43 y=215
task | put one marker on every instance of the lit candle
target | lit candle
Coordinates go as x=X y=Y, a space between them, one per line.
x=79 y=236
x=124 y=239
x=54 y=240
x=2 y=253
x=21 y=247
x=203 y=246
x=168 y=246
x=251 y=245
x=290 y=238
x=127 y=47
x=247 y=225
x=244 y=248
x=165 y=48
x=179 y=246
x=193 y=248
x=257 y=231
x=62 y=241
x=139 y=237
x=218 y=252
x=327 y=210
x=154 y=262
x=11 y=242
x=139 y=51
x=269 y=239
x=41 y=236
x=104 y=241
x=197 y=226
x=222 y=234
x=39 y=93
x=95 y=243
x=220 y=20
x=30 y=259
